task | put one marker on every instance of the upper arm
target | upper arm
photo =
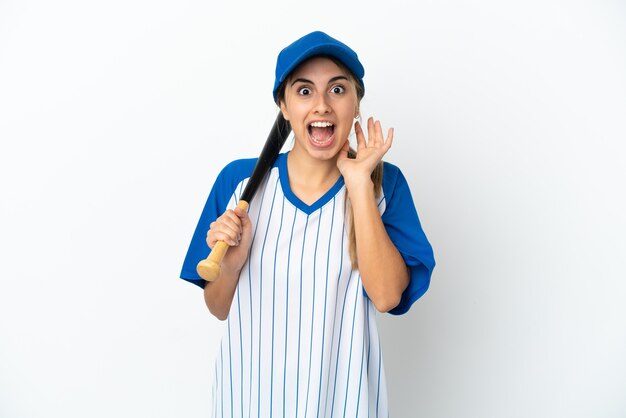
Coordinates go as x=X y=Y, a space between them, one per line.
x=225 y=192
x=405 y=231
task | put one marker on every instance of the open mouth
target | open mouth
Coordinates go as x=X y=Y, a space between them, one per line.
x=321 y=133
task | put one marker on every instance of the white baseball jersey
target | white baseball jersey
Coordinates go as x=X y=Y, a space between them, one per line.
x=301 y=337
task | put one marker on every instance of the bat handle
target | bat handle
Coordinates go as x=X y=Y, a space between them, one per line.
x=209 y=268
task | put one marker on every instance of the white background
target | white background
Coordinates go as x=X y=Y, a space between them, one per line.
x=116 y=116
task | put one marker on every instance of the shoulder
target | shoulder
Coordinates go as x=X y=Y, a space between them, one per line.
x=229 y=178
x=238 y=169
x=237 y=172
x=392 y=179
x=234 y=173
x=390 y=171
x=242 y=169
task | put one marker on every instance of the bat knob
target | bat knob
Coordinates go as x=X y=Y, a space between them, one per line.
x=208 y=269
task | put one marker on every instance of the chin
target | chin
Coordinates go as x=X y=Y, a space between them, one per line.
x=324 y=154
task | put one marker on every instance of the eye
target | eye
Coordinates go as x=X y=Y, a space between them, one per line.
x=338 y=89
x=304 y=91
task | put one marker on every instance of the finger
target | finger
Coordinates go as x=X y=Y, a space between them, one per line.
x=223 y=232
x=231 y=220
x=229 y=223
x=378 y=134
x=244 y=218
x=370 y=130
x=360 y=136
x=214 y=236
x=241 y=213
x=389 y=140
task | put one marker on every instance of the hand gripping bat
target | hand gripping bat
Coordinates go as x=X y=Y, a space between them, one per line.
x=209 y=268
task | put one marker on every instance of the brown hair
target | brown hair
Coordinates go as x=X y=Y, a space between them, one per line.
x=377 y=174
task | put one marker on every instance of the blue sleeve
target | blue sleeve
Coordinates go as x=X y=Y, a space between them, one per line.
x=405 y=231
x=227 y=185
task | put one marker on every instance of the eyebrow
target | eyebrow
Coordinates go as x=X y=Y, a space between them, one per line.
x=332 y=80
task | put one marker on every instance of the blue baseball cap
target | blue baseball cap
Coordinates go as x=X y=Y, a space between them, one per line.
x=311 y=45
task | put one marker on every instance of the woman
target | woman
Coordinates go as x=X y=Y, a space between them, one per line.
x=328 y=239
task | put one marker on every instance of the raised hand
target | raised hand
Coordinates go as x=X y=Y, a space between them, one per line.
x=369 y=153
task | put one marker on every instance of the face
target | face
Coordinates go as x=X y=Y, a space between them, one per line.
x=321 y=104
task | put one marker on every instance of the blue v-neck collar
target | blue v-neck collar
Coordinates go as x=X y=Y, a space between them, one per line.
x=284 y=183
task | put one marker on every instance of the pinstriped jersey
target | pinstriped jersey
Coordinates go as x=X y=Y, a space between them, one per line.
x=301 y=337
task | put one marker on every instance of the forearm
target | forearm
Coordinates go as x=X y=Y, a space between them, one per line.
x=233 y=227
x=218 y=295
x=383 y=271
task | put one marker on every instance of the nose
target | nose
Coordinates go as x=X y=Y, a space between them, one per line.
x=322 y=105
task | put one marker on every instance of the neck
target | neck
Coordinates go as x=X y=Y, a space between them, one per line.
x=309 y=178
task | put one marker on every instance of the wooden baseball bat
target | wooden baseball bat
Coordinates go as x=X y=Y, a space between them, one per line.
x=209 y=268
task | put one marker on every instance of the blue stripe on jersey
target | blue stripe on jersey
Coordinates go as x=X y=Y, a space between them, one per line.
x=222 y=375
x=332 y=341
x=356 y=298
x=380 y=360
x=330 y=235
x=317 y=240
x=343 y=308
x=235 y=197
x=215 y=386
x=239 y=192
x=250 y=294
x=295 y=215
x=300 y=314
x=230 y=364
x=358 y=400
x=282 y=212
x=369 y=349
x=240 y=352
x=261 y=294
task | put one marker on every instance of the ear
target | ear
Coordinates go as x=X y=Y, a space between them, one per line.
x=283 y=109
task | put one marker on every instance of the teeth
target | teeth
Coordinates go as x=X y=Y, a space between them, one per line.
x=321 y=124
